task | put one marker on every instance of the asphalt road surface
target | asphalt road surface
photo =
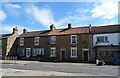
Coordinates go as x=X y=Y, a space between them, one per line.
x=73 y=68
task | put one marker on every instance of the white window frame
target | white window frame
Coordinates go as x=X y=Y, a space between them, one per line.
x=21 y=41
x=72 y=52
x=36 y=39
x=53 y=54
x=75 y=39
x=104 y=40
x=53 y=39
x=38 y=51
x=41 y=51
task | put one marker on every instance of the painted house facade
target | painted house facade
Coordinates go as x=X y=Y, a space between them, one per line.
x=106 y=42
x=68 y=44
x=7 y=43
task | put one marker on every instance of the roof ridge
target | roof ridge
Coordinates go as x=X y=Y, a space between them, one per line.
x=106 y=25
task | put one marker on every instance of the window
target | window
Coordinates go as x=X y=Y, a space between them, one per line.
x=73 y=39
x=74 y=52
x=41 y=51
x=34 y=53
x=0 y=42
x=21 y=41
x=53 y=39
x=36 y=40
x=38 y=51
x=21 y=52
x=102 y=39
x=53 y=52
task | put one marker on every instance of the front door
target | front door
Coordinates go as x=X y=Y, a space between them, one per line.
x=86 y=55
x=28 y=52
x=62 y=55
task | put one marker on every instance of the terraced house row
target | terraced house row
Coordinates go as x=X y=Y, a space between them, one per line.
x=79 y=44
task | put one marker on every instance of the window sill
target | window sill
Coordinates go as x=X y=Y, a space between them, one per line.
x=73 y=56
x=73 y=43
x=52 y=56
x=102 y=42
x=21 y=45
x=36 y=44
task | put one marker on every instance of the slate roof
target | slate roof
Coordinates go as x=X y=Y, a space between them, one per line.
x=5 y=35
x=106 y=29
x=35 y=33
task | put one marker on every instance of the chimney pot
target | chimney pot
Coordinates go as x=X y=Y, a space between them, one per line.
x=24 y=30
x=90 y=29
x=69 y=26
x=52 y=27
x=15 y=30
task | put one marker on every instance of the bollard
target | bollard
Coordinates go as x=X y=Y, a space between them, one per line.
x=15 y=58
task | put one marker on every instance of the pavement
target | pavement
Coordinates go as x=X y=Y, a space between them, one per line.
x=35 y=68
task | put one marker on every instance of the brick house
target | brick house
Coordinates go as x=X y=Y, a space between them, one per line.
x=106 y=42
x=79 y=44
x=68 y=44
x=7 y=43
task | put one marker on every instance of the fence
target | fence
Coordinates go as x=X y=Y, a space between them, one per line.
x=10 y=59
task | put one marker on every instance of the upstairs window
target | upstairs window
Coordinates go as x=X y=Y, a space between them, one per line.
x=53 y=39
x=53 y=52
x=73 y=39
x=36 y=40
x=21 y=41
x=102 y=39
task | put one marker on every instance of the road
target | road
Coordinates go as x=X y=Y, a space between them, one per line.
x=66 y=69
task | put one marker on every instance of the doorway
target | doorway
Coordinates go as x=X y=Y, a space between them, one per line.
x=63 y=55
x=86 y=55
x=28 y=52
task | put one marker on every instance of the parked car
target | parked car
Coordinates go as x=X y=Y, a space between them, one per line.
x=117 y=62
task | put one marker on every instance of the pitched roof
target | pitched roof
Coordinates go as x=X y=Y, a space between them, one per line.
x=65 y=31
x=34 y=33
x=106 y=29
x=76 y=30
x=5 y=35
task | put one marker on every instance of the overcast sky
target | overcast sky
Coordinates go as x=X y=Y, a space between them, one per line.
x=39 y=15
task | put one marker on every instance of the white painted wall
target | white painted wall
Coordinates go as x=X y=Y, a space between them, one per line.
x=113 y=38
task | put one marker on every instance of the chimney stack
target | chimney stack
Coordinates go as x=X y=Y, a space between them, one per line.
x=90 y=28
x=15 y=30
x=69 y=26
x=52 y=27
x=24 y=30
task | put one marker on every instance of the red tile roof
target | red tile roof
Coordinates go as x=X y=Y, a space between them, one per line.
x=76 y=30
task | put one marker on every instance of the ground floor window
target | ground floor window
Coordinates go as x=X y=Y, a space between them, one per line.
x=109 y=54
x=21 y=52
x=53 y=52
x=38 y=51
x=73 y=52
x=41 y=51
